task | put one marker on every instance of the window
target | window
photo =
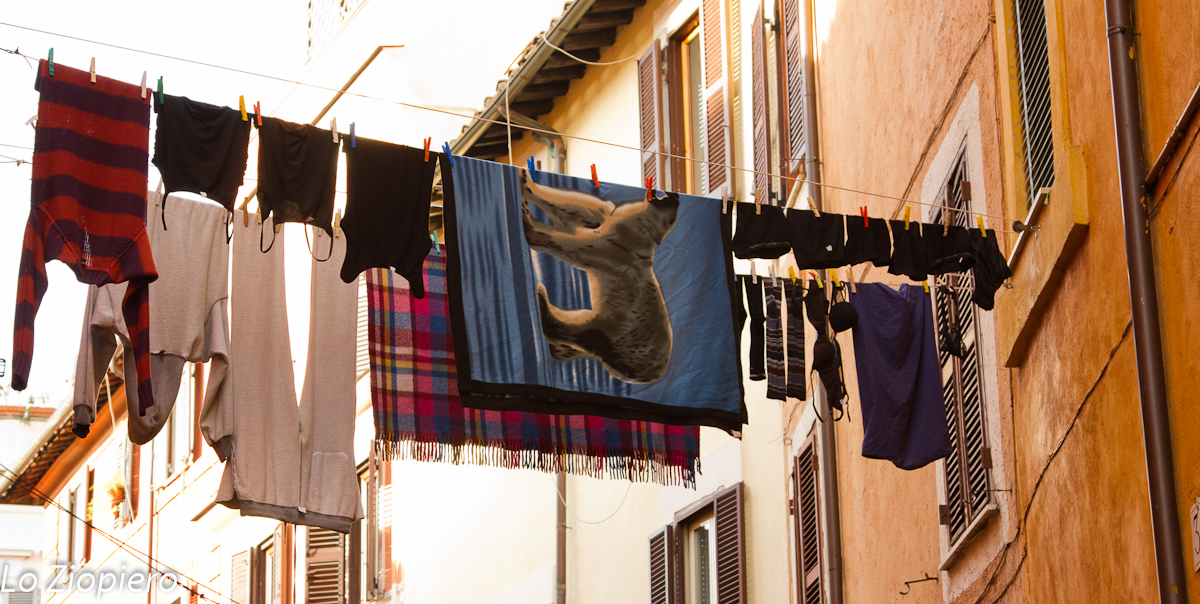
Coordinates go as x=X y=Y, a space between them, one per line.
x=790 y=66
x=72 y=513
x=89 y=515
x=689 y=111
x=380 y=571
x=325 y=567
x=968 y=480
x=1033 y=64
x=806 y=517
x=262 y=574
x=700 y=558
x=759 y=110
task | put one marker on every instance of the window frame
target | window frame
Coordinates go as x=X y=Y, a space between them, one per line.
x=803 y=585
x=675 y=99
x=672 y=538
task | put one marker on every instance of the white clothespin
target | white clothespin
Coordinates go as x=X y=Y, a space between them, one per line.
x=143 y=84
x=771 y=272
x=337 y=223
x=32 y=122
x=93 y=70
x=725 y=202
x=333 y=128
x=753 y=272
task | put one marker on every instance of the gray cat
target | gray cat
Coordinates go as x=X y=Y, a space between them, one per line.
x=628 y=328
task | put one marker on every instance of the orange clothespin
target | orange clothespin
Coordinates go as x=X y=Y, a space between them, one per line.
x=427 y=141
x=93 y=70
x=906 y=212
x=242 y=108
x=925 y=284
x=863 y=210
x=792 y=274
x=979 y=221
x=595 y=178
x=817 y=277
x=258 y=112
x=649 y=186
x=812 y=205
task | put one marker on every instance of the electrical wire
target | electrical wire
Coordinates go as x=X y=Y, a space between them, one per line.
x=150 y=560
x=507 y=124
x=547 y=43
x=628 y=487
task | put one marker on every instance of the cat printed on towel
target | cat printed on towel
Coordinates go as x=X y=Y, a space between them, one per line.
x=628 y=328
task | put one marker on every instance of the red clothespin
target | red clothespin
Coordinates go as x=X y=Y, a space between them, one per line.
x=595 y=178
x=427 y=140
x=863 y=210
x=258 y=112
x=649 y=187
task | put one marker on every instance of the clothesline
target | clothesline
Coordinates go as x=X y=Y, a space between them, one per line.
x=506 y=123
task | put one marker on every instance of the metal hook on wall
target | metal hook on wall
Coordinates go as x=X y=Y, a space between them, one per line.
x=908 y=584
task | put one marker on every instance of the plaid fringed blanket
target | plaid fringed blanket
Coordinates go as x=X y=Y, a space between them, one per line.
x=414 y=392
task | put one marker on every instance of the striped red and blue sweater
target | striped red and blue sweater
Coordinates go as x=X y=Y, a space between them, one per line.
x=88 y=201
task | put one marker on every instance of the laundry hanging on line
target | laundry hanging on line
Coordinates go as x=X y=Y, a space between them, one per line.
x=418 y=414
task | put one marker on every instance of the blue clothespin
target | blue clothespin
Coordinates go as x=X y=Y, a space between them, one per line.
x=51 y=61
x=532 y=168
x=436 y=248
x=161 y=99
x=353 y=141
x=446 y=150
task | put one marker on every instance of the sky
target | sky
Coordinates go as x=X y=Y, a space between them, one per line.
x=451 y=55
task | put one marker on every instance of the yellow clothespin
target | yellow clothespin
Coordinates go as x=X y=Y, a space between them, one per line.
x=979 y=221
x=925 y=284
x=812 y=205
x=817 y=276
x=833 y=275
x=906 y=212
x=93 y=70
x=792 y=274
x=758 y=201
x=242 y=108
x=337 y=223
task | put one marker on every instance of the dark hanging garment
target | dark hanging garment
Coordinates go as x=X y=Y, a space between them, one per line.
x=817 y=242
x=991 y=269
x=200 y=148
x=796 y=378
x=754 y=302
x=827 y=354
x=868 y=243
x=948 y=249
x=908 y=251
x=762 y=234
x=297 y=173
x=899 y=377
x=388 y=189
x=776 y=358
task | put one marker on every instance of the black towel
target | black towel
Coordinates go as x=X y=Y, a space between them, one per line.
x=991 y=269
x=817 y=242
x=200 y=148
x=948 y=249
x=868 y=243
x=388 y=189
x=761 y=235
x=908 y=251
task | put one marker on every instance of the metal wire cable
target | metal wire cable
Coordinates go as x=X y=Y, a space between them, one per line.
x=504 y=123
x=628 y=487
x=547 y=43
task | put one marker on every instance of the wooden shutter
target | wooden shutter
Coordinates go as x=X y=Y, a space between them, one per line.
x=731 y=546
x=324 y=567
x=380 y=568
x=362 y=365
x=89 y=513
x=134 y=483
x=660 y=566
x=650 y=110
x=759 y=116
x=806 y=514
x=968 y=480
x=239 y=578
x=714 y=40
x=791 y=85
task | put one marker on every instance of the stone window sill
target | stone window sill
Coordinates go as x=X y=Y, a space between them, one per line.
x=964 y=541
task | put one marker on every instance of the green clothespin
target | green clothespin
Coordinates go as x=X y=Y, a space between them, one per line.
x=160 y=91
x=51 y=60
x=436 y=248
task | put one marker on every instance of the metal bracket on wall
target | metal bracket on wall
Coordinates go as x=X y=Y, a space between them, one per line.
x=908 y=584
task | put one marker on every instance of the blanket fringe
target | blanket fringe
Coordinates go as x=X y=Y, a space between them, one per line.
x=674 y=469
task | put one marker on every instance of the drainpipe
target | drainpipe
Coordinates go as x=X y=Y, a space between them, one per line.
x=560 y=533
x=829 y=477
x=1147 y=337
